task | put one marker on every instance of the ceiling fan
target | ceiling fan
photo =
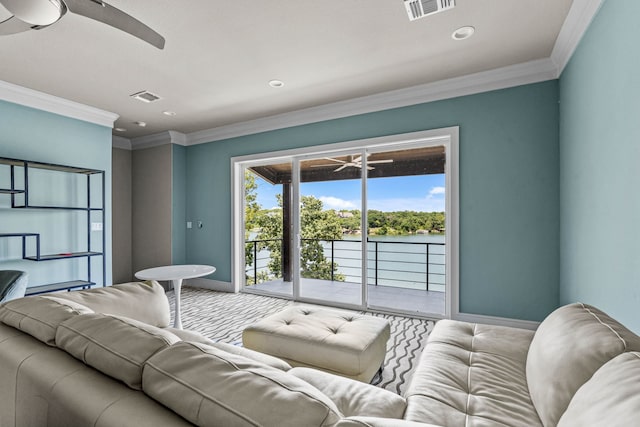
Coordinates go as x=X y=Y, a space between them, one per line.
x=39 y=14
x=354 y=161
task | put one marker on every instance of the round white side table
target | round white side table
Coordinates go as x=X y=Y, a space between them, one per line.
x=176 y=273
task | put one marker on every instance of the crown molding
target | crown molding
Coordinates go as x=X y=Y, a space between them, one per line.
x=578 y=19
x=120 y=142
x=53 y=104
x=501 y=78
x=158 y=139
x=178 y=138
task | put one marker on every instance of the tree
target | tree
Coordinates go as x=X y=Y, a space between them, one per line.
x=316 y=225
x=251 y=212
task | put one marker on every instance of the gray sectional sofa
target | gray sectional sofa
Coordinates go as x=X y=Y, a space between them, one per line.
x=106 y=357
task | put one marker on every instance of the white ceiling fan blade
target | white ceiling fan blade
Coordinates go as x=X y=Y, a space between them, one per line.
x=12 y=26
x=341 y=167
x=373 y=162
x=334 y=160
x=322 y=166
x=116 y=18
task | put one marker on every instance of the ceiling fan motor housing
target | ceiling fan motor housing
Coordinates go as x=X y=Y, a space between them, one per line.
x=36 y=12
x=417 y=9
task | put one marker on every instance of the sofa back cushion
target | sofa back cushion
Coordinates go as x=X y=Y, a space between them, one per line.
x=570 y=345
x=116 y=346
x=40 y=316
x=210 y=387
x=143 y=301
x=611 y=398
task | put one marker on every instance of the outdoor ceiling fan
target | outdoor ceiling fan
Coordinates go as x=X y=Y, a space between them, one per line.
x=355 y=162
x=39 y=14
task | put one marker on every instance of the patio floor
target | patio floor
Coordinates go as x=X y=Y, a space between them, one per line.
x=386 y=297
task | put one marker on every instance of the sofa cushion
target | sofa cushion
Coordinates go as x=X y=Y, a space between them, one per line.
x=116 y=346
x=194 y=336
x=143 y=301
x=611 y=398
x=211 y=387
x=570 y=345
x=472 y=375
x=272 y=361
x=379 y=422
x=354 y=398
x=39 y=316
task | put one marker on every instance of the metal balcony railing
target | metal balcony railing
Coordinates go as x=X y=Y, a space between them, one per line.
x=402 y=264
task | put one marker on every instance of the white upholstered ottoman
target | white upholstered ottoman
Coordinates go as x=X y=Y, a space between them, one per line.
x=350 y=345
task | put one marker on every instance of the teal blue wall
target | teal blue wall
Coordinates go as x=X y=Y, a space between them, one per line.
x=600 y=166
x=178 y=204
x=27 y=133
x=509 y=193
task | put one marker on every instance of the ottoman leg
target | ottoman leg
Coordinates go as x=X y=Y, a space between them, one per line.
x=377 y=378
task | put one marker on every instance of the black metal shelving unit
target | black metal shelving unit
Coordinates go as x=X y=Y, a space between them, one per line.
x=15 y=166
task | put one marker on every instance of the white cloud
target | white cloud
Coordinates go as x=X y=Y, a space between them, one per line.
x=329 y=202
x=435 y=191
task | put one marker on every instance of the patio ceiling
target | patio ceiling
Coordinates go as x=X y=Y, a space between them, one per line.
x=417 y=161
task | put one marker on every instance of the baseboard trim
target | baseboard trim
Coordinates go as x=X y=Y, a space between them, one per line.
x=213 y=285
x=498 y=321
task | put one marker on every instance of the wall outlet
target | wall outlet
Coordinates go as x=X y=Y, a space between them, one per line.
x=96 y=226
x=189 y=224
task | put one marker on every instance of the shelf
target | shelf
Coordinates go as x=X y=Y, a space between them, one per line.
x=48 y=166
x=62 y=256
x=17 y=234
x=64 y=208
x=61 y=286
x=18 y=168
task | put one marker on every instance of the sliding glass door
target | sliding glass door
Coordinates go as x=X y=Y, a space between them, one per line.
x=406 y=229
x=330 y=189
x=366 y=227
x=268 y=228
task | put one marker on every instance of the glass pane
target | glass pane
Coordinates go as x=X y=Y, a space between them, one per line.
x=406 y=232
x=331 y=248
x=267 y=219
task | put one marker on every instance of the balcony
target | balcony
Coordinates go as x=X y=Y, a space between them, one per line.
x=403 y=275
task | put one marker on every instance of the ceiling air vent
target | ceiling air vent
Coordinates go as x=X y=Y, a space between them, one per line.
x=145 y=96
x=417 y=9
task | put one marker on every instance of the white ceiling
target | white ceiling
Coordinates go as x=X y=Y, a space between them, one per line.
x=219 y=56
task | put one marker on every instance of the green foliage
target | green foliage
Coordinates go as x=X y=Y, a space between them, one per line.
x=404 y=222
x=318 y=225
x=251 y=211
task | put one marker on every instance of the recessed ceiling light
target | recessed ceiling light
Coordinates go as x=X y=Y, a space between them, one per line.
x=463 y=33
x=141 y=124
x=169 y=113
x=120 y=129
x=276 y=83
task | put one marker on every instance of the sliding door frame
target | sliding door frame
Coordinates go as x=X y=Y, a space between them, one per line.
x=447 y=137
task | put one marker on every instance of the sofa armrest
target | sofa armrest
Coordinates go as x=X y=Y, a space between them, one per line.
x=379 y=422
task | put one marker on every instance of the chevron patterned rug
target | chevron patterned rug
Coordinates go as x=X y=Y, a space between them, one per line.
x=221 y=316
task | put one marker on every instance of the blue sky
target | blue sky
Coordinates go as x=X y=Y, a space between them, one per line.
x=423 y=193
